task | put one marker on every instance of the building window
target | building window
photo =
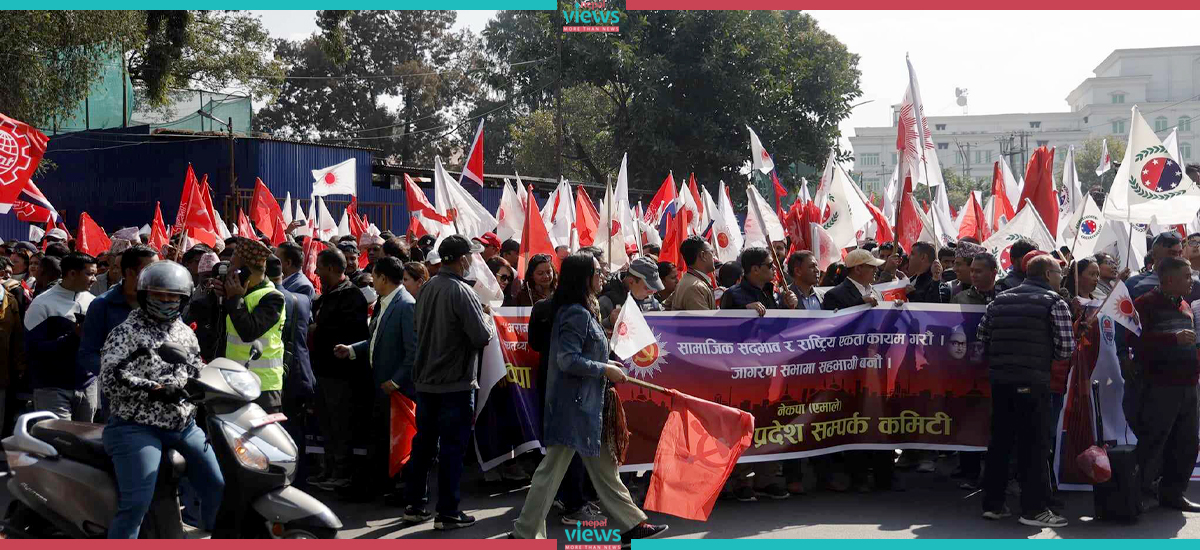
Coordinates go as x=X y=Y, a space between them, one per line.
x=958 y=158
x=982 y=157
x=1118 y=127
x=1185 y=151
x=1035 y=124
x=939 y=127
x=1118 y=98
x=943 y=146
x=870 y=159
x=871 y=183
x=895 y=158
x=1185 y=123
x=1160 y=124
x=1043 y=142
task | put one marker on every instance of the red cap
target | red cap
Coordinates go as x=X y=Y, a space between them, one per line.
x=489 y=239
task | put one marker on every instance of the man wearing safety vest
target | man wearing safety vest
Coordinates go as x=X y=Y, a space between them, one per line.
x=254 y=312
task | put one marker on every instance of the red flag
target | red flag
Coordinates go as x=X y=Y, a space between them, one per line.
x=661 y=202
x=676 y=233
x=534 y=237
x=356 y=224
x=417 y=202
x=973 y=222
x=1039 y=188
x=206 y=197
x=780 y=191
x=473 y=170
x=403 y=428
x=699 y=446
x=244 y=229
x=197 y=224
x=189 y=183
x=33 y=206
x=91 y=238
x=694 y=188
x=312 y=247
x=265 y=212
x=908 y=223
x=587 y=219
x=158 y=230
x=1002 y=209
x=23 y=147
x=883 y=231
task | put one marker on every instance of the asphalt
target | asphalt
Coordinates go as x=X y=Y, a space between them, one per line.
x=932 y=507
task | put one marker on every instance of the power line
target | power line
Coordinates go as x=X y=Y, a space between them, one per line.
x=133 y=145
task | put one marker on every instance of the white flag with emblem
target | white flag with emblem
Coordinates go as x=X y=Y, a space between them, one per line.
x=1087 y=226
x=1105 y=159
x=725 y=229
x=1150 y=184
x=1027 y=224
x=847 y=213
x=631 y=334
x=1070 y=201
x=1119 y=306
x=759 y=158
x=759 y=214
x=338 y=179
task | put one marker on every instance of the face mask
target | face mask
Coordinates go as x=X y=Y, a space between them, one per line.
x=164 y=312
x=369 y=293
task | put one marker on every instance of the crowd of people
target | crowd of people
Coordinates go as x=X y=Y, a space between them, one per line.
x=74 y=330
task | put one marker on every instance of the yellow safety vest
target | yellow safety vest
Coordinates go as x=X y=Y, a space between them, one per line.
x=269 y=367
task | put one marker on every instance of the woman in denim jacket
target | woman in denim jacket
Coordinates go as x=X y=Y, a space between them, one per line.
x=574 y=417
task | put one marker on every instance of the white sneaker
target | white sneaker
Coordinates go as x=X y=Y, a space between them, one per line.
x=1045 y=519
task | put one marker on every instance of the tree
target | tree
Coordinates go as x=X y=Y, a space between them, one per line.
x=587 y=131
x=341 y=81
x=683 y=84
x=1087 y=158
x=958 y=188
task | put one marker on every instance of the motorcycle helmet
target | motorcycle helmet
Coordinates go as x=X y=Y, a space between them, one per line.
x=164 y=276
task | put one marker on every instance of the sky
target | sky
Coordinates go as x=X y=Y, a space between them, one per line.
x=1009 y=61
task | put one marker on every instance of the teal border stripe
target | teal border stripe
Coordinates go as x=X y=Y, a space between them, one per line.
x=317 y=4
x=903 y=544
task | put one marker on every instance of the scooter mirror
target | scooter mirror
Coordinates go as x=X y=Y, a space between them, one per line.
x=173 y=353
x=255 y=351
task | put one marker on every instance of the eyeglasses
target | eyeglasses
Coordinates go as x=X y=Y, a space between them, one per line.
x=505 y=278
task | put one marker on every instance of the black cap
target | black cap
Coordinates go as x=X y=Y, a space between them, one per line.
x=453 y=248
x=274 y=267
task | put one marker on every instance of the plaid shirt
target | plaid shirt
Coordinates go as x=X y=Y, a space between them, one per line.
x=1064 y=335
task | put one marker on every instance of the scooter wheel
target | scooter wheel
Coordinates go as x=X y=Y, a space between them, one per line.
x=307 y=532
x=20 y=521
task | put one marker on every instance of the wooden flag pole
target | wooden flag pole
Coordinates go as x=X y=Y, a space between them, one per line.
x=646 y=385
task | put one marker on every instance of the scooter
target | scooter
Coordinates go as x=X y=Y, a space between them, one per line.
x=63 y=483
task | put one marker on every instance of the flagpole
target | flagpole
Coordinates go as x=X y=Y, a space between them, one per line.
x=608 y=195
x=647 y=385
x=1075 y=241
x=637 y=232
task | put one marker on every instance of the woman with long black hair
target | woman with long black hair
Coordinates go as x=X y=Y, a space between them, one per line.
x=540 y=281
x=579 y=378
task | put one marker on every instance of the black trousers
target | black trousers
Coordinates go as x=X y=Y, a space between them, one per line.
x=1168 y=431
x=371 y=472
x=1020 y=413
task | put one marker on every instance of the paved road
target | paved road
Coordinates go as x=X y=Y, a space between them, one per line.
x=932 y=507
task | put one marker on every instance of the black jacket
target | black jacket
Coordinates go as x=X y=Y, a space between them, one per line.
x=339 y=317
x=1013 y=280
x=842 y=296
x=1020 y=347
x=926 y=290
x=541 y=326
x=743 y=294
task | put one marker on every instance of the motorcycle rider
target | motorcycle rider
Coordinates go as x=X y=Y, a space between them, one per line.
x=146 y=400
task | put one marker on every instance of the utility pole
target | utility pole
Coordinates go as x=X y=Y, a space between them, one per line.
x=964 y=150
x=558 y=124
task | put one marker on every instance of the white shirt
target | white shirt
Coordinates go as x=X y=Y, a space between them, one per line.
x=866 y=290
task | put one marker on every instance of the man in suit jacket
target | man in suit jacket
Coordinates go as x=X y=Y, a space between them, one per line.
x=856 y=290
x=291 y=257
x=390 y=349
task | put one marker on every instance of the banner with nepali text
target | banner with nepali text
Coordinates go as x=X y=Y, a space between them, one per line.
x=817 y=382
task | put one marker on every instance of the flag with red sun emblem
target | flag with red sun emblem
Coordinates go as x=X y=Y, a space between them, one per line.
x=1120 y=307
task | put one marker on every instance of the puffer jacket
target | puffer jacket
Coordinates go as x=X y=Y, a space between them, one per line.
x=128 y=383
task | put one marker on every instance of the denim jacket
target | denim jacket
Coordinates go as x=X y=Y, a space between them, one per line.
x=574 y=415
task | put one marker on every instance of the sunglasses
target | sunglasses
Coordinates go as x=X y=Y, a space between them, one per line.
x=505 y=278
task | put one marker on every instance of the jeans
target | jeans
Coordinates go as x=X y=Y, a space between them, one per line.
x=136 y=450
x=78 y=405
x=614 y=497
x=1020 y=413
x=443 y=429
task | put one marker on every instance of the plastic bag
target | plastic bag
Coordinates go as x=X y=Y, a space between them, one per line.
x=1094 y=463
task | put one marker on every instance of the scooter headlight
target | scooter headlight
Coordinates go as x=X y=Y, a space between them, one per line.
x=243 y=382
x=246 y=453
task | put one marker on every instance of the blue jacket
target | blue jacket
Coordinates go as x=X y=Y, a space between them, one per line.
x=300 y=381
x=106 y=312
x=297 y=283
x=396 y=346
x=575 y=386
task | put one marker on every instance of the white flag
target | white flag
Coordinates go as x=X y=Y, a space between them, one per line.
x=510 y=218
x=492 y=370
x=1150 y=184
x=823 y=185
x=1012 y=185
x=343 y=228
x=847 y=211
x=287 y=209
x=36 y=233
x=827 y=253
x=1115 y=239
x=1090 y=225
x=918 y=158
x=1172 y=144
x=325 y=226
x=486 y=286
x=559 y=216
x=304 y=230
x=710 y=210
x=338 y=179
x=725 y=230
x=757 y=210
x=889 y=196
x=804 y=194
x=1070 y=202
x=1119 y=306
x=469 y=217
x=944 y=227
x=1112 y=386
x=759 y=158
x=650 y=231
x=1105 y=159
x=631 y=334
x=1027 y=224
x=611 y=230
